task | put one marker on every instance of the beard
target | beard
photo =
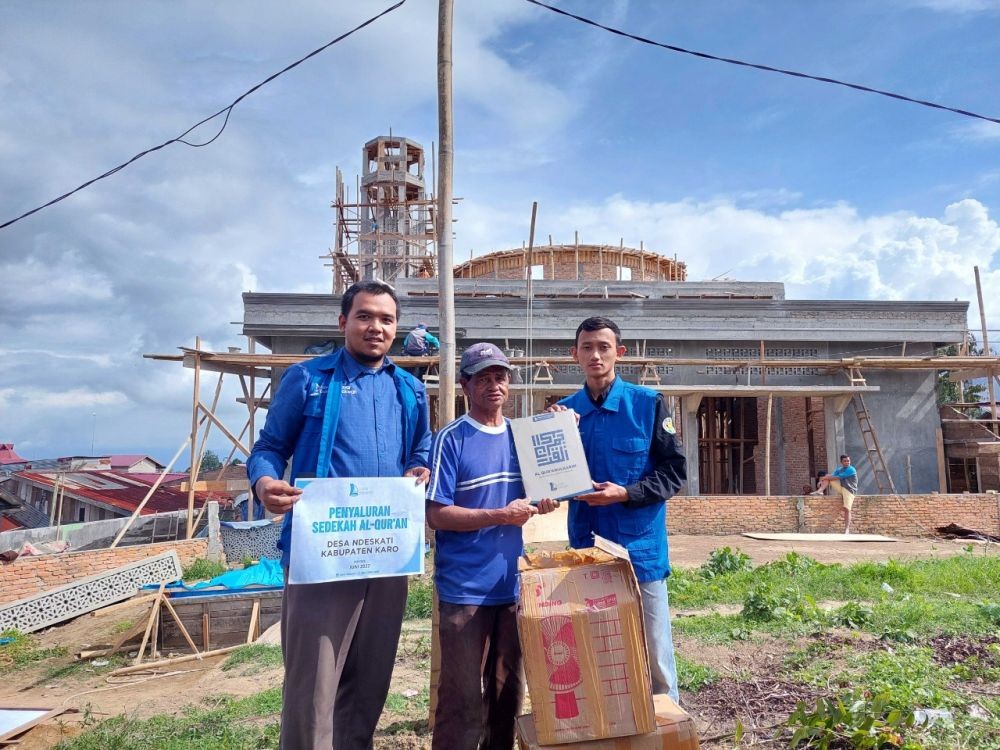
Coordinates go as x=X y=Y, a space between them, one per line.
x=366 y=358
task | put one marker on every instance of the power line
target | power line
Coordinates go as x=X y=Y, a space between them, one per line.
x=766 y=68
x=228 y=110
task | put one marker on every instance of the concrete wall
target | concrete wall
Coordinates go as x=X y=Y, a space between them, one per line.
x=915 y=515
x=672 y=321
x=94 y=533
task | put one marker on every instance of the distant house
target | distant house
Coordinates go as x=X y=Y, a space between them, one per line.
x=135 y=463
x=9 y=460
x=16 y=514
x=94 y=495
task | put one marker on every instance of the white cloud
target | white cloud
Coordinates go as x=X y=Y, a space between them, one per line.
x=819 y=253
x=957 y=6
x=977 y=131
x=77 y=398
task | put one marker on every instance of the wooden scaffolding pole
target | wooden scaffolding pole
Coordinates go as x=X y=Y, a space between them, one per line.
x=986 y=352
x=149 y=494
x=194 y=435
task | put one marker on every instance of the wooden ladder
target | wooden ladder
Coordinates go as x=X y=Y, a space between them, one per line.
x=883 y=479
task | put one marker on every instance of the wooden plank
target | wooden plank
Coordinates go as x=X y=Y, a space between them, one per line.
x=184 y=632
x=149 y=623
x=176 y=660
x=792 y=537
x=254 y=622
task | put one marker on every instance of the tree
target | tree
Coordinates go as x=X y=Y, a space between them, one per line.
x=211 y=461
x=947 y=389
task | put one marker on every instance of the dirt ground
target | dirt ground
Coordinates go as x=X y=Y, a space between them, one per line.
x=198 y=683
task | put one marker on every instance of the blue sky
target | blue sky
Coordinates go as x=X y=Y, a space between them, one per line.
x=745 y=174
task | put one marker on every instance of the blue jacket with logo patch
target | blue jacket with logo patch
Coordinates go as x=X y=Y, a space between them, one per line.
x=630 y=440
x=302 y=424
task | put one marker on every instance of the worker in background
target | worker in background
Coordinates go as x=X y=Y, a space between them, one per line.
x=352 y=413
x=637 y=464
x=477 y=507
x=420 y=342
x=844 y=481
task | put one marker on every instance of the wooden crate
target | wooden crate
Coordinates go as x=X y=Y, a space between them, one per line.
x=218 y=620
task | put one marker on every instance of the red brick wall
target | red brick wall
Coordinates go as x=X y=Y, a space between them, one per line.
x=559 y=262
x=796 y=443
x=28 y=576
x=909 y=515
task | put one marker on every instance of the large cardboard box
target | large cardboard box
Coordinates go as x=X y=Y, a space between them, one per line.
x=675 y=730
x=580 y=622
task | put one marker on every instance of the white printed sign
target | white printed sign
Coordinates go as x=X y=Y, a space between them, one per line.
x=344 y=529
x=551 y=455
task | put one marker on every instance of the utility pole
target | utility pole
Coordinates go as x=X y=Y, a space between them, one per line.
x=446 y=280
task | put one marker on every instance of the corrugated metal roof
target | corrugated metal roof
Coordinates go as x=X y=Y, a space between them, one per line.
x=118 y=489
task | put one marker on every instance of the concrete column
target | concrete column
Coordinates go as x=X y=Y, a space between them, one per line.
x=689 y=424
x=215 y=549
x=779 y=444
x=833 y=420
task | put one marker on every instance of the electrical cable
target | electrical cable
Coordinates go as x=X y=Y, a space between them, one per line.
x=766 y=68
x=225 y=110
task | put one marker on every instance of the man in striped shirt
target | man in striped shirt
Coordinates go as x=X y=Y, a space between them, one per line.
x=477 y=507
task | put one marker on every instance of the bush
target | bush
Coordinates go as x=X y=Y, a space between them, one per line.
x=419 y=599
x=724 y=561
x=202 y=569
x=852 y=615
x=765 y=604
x=851 y=721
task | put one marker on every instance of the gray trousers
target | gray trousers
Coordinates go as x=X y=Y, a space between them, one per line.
x=339 y=645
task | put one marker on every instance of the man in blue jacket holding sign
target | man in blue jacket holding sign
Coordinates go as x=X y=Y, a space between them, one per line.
x=637 y=464
x=352 y=413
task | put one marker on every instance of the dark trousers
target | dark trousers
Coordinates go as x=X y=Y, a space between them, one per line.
x=339 y=644
x=481 y=685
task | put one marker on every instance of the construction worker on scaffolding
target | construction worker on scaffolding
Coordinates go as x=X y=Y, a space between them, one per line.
x=420 y=342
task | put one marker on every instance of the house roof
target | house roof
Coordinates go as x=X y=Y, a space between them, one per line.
x=128 y=460
x=118 y=489
x=15 y=514
x=8 y=456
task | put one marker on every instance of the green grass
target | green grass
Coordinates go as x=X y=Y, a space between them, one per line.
x=254 y=658
x=955 y=595
x=81 y=667
x=23 y=651
x=420 y=599
x=399 y=703
x=230 y=724
x=202 y=569
x=969 y=575
x=692 y=676
x=121 y=627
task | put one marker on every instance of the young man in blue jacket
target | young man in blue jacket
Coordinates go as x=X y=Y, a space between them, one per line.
x=637 y=464
x=352 y=413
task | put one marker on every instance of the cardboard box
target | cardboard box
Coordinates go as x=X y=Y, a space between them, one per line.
x=674 y=731
x=580 y=622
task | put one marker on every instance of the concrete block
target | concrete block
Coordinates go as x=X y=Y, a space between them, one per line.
x=87 y=594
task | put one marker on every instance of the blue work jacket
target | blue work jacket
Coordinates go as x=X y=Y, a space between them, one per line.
x=617 y=436
x=302 y=424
